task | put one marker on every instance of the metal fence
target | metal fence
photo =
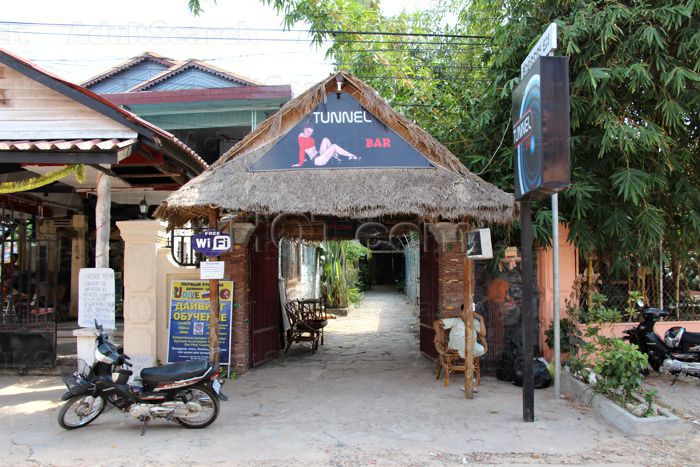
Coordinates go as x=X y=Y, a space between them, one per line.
x=677 y=291
x=28 y=299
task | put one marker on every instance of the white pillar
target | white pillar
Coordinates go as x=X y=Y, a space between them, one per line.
x=140 y=265
x=102 y=220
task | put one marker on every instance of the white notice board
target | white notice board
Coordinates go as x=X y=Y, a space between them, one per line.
x=211 y=270
x=96 y=297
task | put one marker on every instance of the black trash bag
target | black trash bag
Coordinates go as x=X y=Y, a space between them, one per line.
x=540 y=373
x=505 y=365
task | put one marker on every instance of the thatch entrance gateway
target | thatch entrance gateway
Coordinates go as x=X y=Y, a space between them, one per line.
x=279 y=181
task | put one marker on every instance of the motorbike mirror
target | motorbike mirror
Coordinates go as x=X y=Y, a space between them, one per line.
x=640 y=303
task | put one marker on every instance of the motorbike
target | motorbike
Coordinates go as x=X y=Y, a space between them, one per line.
x=184 y=392
x=679 y=351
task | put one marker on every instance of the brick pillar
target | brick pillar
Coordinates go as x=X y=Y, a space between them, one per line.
x=237 y=269
x=450 y=240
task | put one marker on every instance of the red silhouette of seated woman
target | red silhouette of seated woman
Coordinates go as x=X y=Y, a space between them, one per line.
x=320 y=156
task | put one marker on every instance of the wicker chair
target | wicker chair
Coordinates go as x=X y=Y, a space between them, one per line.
x=449 y=360
x=305 y=326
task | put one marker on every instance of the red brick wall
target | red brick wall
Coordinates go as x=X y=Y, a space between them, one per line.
x=450 y=277
x=237 y=269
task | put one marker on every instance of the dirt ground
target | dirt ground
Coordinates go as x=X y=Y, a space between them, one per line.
x=366 y=397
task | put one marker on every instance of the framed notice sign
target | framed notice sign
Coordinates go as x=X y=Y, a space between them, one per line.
x=188 y=338
x=96 y=297
x=541 y=129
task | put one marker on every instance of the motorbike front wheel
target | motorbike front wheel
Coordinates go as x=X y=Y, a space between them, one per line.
x=206 y=399
x=79 y=411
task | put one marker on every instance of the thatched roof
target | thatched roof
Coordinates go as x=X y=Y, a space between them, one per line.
x=448 y=192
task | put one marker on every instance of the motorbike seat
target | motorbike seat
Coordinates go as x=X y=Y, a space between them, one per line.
x=690 y=339
x=154 y=376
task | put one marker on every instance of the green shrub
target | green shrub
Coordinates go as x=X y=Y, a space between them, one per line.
x=354 y=295
x=619 y=365
x=569 y=337
x=599 y=313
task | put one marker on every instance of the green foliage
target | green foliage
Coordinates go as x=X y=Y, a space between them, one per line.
x=599 y=313
x=354 y=295
x=631 y=309
x=649 y=398
x=610 y=365
x=195 y=6
x=570 y=337
x=635 y=102
x=340 y=277
x=620 y=365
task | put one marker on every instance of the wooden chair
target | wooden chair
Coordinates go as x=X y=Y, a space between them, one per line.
x=449 y=360
x=304 y=326
x=314 y=311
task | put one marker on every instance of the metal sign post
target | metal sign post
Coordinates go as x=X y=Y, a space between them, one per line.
x=540 y=118
x=527 y=312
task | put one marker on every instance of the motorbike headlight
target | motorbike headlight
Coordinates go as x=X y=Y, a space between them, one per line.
x=104 y=355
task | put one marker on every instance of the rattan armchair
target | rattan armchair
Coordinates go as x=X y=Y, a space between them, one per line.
x=449 y=361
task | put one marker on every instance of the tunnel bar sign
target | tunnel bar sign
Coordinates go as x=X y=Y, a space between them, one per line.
x=541 y=129
x=340 y=134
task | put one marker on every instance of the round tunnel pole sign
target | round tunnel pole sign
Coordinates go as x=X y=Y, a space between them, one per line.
x=211 y=243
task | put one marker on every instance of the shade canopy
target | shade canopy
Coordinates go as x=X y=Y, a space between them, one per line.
x=442 y=190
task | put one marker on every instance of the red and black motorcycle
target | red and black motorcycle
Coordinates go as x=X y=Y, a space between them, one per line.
x=185 y=392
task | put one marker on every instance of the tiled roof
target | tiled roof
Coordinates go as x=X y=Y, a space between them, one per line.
x=63 y=145
x=146 y=56
x=101 y=104
x=193 y=64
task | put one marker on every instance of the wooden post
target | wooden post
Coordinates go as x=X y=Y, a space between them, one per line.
x=589 y=282
x=213 y=300
x=468 y=318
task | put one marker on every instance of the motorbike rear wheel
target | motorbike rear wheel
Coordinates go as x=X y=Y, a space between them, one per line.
x=84 y=408
x=207 y=399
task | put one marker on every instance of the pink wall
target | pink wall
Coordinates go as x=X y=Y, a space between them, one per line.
x=616 y=329
x=568 y=267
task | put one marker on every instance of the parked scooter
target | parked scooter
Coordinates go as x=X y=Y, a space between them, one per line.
x=678 y=353
x=185 y=392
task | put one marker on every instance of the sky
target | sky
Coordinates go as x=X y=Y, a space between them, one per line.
x=84 y=38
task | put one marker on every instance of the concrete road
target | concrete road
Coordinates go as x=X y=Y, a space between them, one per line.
x=366 y=397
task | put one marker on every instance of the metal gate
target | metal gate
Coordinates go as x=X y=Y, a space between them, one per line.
x=265 y=302
x=28 y=285
x=428 y=294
